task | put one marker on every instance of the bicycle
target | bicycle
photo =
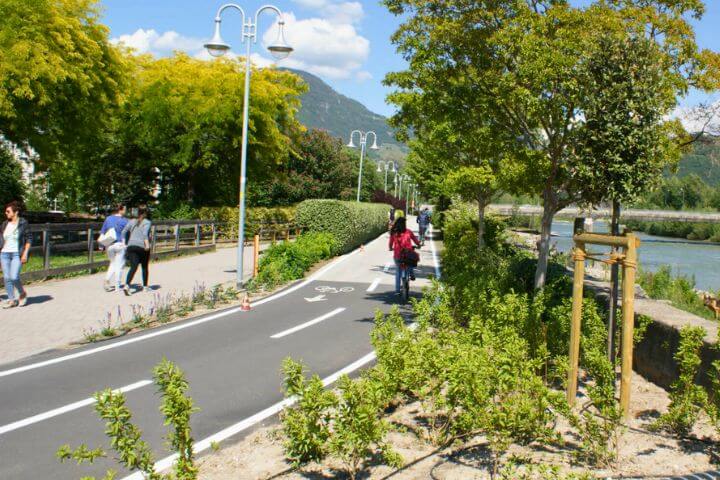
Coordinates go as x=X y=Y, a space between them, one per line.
x=405 y=279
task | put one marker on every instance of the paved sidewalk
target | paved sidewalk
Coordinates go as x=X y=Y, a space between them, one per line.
x=59 y=310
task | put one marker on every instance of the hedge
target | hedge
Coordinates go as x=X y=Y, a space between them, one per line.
x=351 y=223
x=253 y=217
x=287 y=261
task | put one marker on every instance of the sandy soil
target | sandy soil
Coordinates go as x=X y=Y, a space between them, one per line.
x=641 y=453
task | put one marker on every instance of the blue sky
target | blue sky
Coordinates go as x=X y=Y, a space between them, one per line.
x=345 y=42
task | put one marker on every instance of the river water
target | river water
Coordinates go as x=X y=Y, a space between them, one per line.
x=700 y=260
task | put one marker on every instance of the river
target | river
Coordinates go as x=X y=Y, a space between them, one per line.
x=700 y=260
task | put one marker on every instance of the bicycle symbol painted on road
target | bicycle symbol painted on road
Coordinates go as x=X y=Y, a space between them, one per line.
x=326 y=289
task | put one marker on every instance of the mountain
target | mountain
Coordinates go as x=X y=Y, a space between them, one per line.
x=325 y=109
x=703 y=161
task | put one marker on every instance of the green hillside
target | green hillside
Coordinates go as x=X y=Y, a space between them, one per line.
x=703 y=161
x=326 y=109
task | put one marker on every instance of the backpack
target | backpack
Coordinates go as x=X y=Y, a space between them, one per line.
x=408 y=255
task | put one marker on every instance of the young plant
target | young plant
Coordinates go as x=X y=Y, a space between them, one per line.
x=126 y=439
x=687 y=399
x=106 y=328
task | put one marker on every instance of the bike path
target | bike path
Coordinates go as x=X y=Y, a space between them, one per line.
x=232 y=363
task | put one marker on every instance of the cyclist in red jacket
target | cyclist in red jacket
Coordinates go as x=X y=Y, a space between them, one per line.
x=401 y=243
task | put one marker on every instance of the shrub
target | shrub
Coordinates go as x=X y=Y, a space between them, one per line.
x=351 y=223
x=254 y=217
x=126 y=438
x=686 y=398
x=347 y=426
x=680 y=290
x=287 y=261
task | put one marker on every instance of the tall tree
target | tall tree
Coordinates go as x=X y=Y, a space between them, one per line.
x=60 y=77
x=523 y=59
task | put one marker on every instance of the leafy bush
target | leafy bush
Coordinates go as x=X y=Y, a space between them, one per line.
x=686 y=398
x=254 y=217
x=126 y=439
x=287 y=261
x=680 y=290
x=351 y=223
x=347 y=426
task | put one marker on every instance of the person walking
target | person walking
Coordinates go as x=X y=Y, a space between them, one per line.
x=136 y=235
x=401 y=240
x=115 y=251
x=423 y=221
x=15 y=243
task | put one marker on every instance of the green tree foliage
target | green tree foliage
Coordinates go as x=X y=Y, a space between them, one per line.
x=182 y=125
x=523 y=63
x=11 y=185
x=60 y=78
x=318 y=166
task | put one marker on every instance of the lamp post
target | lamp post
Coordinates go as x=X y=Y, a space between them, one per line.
x=387 y=166
x=363 y=142
x=217 y=48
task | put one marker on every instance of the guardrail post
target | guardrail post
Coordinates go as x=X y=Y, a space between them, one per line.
x=197 y=234
x=46 y=247
x=256 y=254
x=91 y=245
x=177 y=237
x=274 y=236
x=214 y=234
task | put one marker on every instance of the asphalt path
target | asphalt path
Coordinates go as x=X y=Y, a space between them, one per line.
x=232 y=360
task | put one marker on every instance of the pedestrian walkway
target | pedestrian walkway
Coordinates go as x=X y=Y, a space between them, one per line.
x=59 y=310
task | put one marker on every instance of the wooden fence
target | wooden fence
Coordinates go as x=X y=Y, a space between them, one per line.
x=64 y=248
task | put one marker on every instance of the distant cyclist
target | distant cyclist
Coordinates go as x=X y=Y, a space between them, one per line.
x=423 y=221
x=401 y=244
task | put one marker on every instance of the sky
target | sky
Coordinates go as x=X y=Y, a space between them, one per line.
x=344 y=42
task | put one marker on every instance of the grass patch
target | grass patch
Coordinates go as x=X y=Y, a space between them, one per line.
x=679 y=290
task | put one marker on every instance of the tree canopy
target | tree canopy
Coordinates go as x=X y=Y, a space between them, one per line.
x=60 y=78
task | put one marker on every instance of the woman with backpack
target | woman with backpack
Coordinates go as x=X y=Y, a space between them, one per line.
x=401 y=244
x=136 y=236
x=15 y=242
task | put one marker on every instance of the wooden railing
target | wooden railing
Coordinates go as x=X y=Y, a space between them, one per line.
x=59 y=249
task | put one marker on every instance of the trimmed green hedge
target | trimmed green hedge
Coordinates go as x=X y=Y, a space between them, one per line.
x=253 y=217
x=351 y=223
x=287 y=261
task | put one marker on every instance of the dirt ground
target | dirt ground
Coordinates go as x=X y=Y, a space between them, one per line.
x=641 y=453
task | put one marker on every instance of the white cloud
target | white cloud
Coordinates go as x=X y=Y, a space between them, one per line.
x=150 y=41
x=363 y=76
x=322 y=47
x=699 y=118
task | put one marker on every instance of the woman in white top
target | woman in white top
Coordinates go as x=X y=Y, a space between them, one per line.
x=14 y=250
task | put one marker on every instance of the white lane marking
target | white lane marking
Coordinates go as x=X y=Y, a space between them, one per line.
x=194 y=323
x=374 y=285
x=232 y=430
x=322 y=318
x=434 y=254
x=386 y=269
x=67 y=408
x=319 y=298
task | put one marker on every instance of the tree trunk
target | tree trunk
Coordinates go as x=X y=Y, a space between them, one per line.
x=549 y=209
x=482 y=205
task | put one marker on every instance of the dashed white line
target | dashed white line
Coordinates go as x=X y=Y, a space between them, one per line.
x=322 y=318
x=374 y=285
x=67 y=408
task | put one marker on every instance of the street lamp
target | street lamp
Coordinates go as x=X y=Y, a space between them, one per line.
x=363 y=142
x=217 y=48
x=387 y=166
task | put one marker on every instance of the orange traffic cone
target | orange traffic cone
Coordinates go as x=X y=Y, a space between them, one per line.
x=245 y=304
